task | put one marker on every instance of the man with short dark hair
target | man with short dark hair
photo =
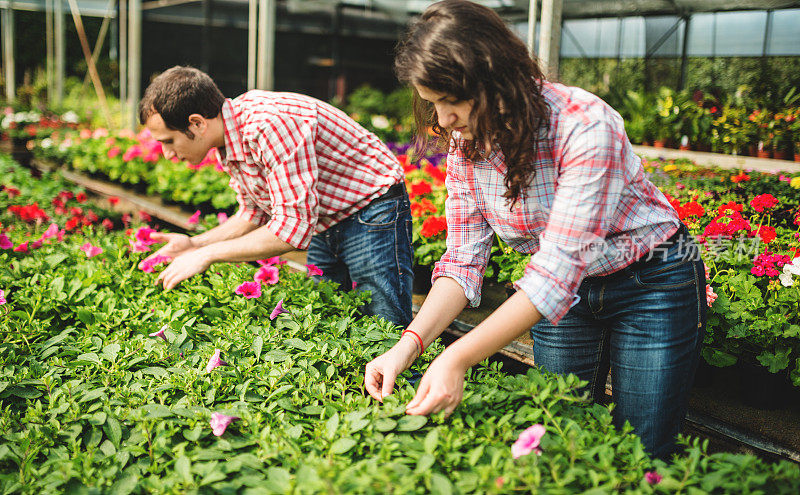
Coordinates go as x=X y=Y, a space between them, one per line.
x=306 y=177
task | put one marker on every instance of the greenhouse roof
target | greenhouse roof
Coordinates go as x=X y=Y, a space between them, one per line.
x=401 y=9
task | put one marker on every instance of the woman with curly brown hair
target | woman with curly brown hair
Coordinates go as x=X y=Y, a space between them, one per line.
x=614 y=280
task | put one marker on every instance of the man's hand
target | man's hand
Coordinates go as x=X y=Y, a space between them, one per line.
x=441 y=387
x=184 y=266
x=177 y=244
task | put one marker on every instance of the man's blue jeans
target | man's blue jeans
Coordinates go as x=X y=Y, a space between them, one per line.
x=646 y=322
x=373 y=249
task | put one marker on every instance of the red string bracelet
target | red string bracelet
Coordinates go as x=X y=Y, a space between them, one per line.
x=419 y=339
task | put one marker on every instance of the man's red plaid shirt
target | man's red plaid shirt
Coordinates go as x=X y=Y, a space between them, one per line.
x=299 y=165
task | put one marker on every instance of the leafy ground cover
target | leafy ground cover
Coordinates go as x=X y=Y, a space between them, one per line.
x=109 y=384
x=749 y=224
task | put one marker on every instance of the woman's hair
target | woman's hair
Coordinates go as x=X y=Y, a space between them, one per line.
x=465 y=50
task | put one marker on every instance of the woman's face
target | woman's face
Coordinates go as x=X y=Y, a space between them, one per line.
x=453 y=114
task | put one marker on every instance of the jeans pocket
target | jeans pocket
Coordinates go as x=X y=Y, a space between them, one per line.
x=379 y=215
x=666 y=275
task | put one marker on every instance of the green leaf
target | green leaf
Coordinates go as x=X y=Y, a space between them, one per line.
x=431 y=440
x=89 y=357
x=55 y=259
x=183 y=466
x=411 y=423
x=125 y=484
x=440 y=484
x=258 y=344
x=86 y=316
x=276 y=356
x=156 y=411
x=113 y=430
x=110 y=351
x=342 y=445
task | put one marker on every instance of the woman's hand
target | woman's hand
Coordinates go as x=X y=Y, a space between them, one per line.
x=177 y=244
x=382 y=371
x=441 y=387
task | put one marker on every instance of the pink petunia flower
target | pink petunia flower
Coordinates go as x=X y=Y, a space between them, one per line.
x=222 y=217
x=51 y=231
x=91 y=250
x=355 y=284
x=194 y=218
x=148 y=265
x=22 y=248
x=60 y=235
x=528 y=441
x=2 y=297
x=249 y=290
x=278 y=310
x=267 y=275
x=5 y=242
x=275 y=260
x=215 y=361
x=653 y=477
x=160 y=333
x=143 y=236
x=313 y=270
x=219 y=422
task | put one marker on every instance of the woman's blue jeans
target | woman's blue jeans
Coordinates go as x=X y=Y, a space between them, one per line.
x=373 y=249
x=646 y=323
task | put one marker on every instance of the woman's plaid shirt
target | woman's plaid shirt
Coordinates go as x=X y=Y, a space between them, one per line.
x=589 y=211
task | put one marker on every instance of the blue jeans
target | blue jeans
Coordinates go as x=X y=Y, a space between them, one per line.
x=373 y=249
x=646 y=323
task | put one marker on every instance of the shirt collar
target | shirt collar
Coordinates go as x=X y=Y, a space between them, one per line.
x=234 y=152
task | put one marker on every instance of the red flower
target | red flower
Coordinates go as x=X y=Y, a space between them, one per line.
x=66 y=195
x=730 y=205
x=419 y=188
x=144 y=216
x=11 y=191
x=113 y=200
x=691 y=209
x=107 y=224
x=420 y=208
x=436 y=174
x=73 y=222
x=81 y=197
x=433 y=226
x=766 y=233
x=22 y=248
x=742 y=177
x=762 y=201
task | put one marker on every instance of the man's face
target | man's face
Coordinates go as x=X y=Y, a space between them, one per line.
x=176 y=143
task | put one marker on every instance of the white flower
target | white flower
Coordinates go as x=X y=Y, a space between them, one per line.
x=380 y=122
x=46 y=143
x=70 y=117
x=789 y=269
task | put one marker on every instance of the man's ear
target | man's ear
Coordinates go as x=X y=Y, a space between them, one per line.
x=197 y=122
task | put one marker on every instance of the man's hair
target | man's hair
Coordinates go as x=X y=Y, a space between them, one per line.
x=177 y=93
x=465 y=50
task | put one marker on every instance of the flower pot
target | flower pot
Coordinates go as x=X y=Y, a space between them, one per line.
x=645 y=143
x=659 y=143
x=797 y=156
x=422 y=279
x=780 y=154
x=684 y=147
x=764 y=153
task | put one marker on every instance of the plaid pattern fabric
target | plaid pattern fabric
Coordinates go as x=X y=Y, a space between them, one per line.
x=589 y=211
x=300 y=165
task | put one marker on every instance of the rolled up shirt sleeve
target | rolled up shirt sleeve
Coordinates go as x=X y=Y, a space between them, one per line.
x=588 y=191
x=469 y=236
x=248 y=209
x=287 y=147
